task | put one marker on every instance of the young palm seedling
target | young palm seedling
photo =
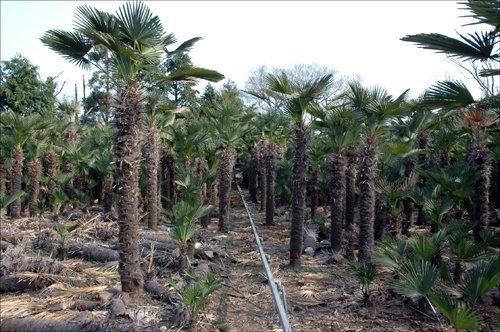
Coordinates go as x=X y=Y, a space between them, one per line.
x=64 y=231
x=183 y=218
x=41 y=208
x=366 y=273
x=196 y=295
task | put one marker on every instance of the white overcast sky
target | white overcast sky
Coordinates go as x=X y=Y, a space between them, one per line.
x=354 y=37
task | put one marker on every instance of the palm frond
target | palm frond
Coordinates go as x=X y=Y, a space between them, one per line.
x=73 y=46
x=460 y=316
x=473 y=47
x=448 y=95
x=415 y=278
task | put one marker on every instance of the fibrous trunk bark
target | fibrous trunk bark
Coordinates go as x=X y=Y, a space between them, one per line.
x=127 y=155
x=424 y=162
x=409 y=164
x=35 y=172
x=479 y=160
x=15 y=184
x=271 y=175
x=71 y=137
x=314 y=191
x=225 y=172
x=367 y=200
x=253 y=176
x=381 y=221
x=263 y=175
x=337 y=190
x=107 y=194
x=3 y=174
x=168 y=174
x=52 y=166
x=350 y=189
x=299 y=181
x=152 y=162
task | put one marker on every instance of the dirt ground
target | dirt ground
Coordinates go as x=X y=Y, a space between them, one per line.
x=320 y=296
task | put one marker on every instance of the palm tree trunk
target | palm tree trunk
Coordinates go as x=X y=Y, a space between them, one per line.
x=34 y=172
x=152 y=161
x=225 y=172
x=127 y=153
x=337 y=189
x=52 y=165
x=409 y=164
x=299 y=182
x=424 y=161
x=15 y=184
x=350 y=189
x=263 y=175
x=314 y=191
x=478 y=158
x=382 y=218
x=254 y=165
x=107 y=194
x=168 y=167
x=3 y=174
x=271 y=175
x=367 y=200
x=71 y=137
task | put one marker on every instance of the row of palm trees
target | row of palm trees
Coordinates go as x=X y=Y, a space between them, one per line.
x=365 y=131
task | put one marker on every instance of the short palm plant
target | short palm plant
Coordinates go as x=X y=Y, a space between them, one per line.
x=64 y=231
x=183 y=217
x=196 y=295
x=366 y=273
x=41 y=207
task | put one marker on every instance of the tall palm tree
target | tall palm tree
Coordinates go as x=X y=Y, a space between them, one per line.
x=136 y=41
x=19 y=130
x=299 y=100
x=340 y=131
x=228 y=121
x=374 y=108
x=317 y=154
x=34 y=170
x=154 y=122
x=271 y=126
x=476 y=117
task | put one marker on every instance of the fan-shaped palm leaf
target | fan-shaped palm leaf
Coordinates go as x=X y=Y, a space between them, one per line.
x=448 y=95
x=473 y=47
x=415 y=278
x=460 y=316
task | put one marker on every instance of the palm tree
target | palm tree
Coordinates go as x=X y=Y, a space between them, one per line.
x=271 y=126
x=34 y=169
x=317 y=154
x=136 y=41
x=340 y=131
x=19 y=130
x=228 y=121
x=374 y=108
x=154 y=122
x=476 y=118
x=299 y=100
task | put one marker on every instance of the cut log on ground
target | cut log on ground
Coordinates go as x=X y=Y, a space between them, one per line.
x=26 y=283
x=93 y=252
x=309 y=242
x=82 y=305
x=159 y=291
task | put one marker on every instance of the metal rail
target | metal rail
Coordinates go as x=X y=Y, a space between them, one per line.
x=278 y=304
